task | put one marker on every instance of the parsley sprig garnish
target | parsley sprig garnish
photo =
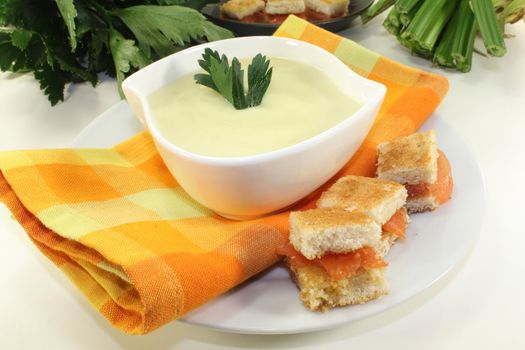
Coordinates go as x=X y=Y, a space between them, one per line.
x=228 y=80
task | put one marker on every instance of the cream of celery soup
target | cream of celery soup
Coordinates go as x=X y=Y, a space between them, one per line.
x=300 y=102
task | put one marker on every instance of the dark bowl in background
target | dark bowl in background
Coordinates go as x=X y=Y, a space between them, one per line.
x=213 y=13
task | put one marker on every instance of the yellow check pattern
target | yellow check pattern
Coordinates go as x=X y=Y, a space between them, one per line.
x=140 y=249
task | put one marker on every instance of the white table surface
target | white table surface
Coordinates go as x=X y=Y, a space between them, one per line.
x=480 y=305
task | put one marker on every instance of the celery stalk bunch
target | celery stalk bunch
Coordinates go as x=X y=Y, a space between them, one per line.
x=444 y=30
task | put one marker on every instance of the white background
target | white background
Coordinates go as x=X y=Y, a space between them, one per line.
x=480 y=305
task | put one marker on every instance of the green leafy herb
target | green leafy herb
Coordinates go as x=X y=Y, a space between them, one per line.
x=228 y=80
x=69 y=12
x=177 y=25
x=259 y=77
x=125 y=54
x=72 y=41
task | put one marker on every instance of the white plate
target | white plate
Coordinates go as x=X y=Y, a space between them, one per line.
x=269 y=304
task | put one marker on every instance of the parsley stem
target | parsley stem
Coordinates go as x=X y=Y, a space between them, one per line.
x=100 y=11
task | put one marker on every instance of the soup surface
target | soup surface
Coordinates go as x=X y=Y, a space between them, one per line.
x=301 y=102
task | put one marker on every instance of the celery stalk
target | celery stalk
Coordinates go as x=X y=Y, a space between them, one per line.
x=392 y=23
x=443 y=54
x=376 y=8
x=491 y=32
x=456 y=46
x=425 y=28
x=406 y=18
x=404 y=6
x=511 y=12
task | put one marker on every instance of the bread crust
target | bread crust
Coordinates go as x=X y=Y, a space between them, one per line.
x=279 y=7
x=328 y=7
x=319 y=292
x=376 y=197
x=238 y=9
x=422 y=203
x=387 y=241
x=409 y=160
x=316 y=232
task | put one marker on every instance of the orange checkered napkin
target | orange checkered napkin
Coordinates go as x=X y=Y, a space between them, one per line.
x=139 y=248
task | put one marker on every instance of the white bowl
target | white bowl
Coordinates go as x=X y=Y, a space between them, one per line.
x=252 y=186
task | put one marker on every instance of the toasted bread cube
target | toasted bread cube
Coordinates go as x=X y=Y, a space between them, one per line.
x=409 y=160
x=387 y=241
x=238 y=9
x=320 y=292
x=328 y=7
x=378 y=198
x=422 y=203
x=316 y=232
x=280 y=7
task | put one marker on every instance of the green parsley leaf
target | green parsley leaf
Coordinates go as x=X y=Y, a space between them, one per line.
x=3 y=11
x=52 y=82
x=221 y=75
x=259 y=77
x=205 y=62
x=163 y=28
x=21 y=37
x=229 y=80
x=69 y=12
x=213 y=32
x=125 y=55
x=70 y=41
x=239 y=99
x=10 y=53
x=36 y=53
